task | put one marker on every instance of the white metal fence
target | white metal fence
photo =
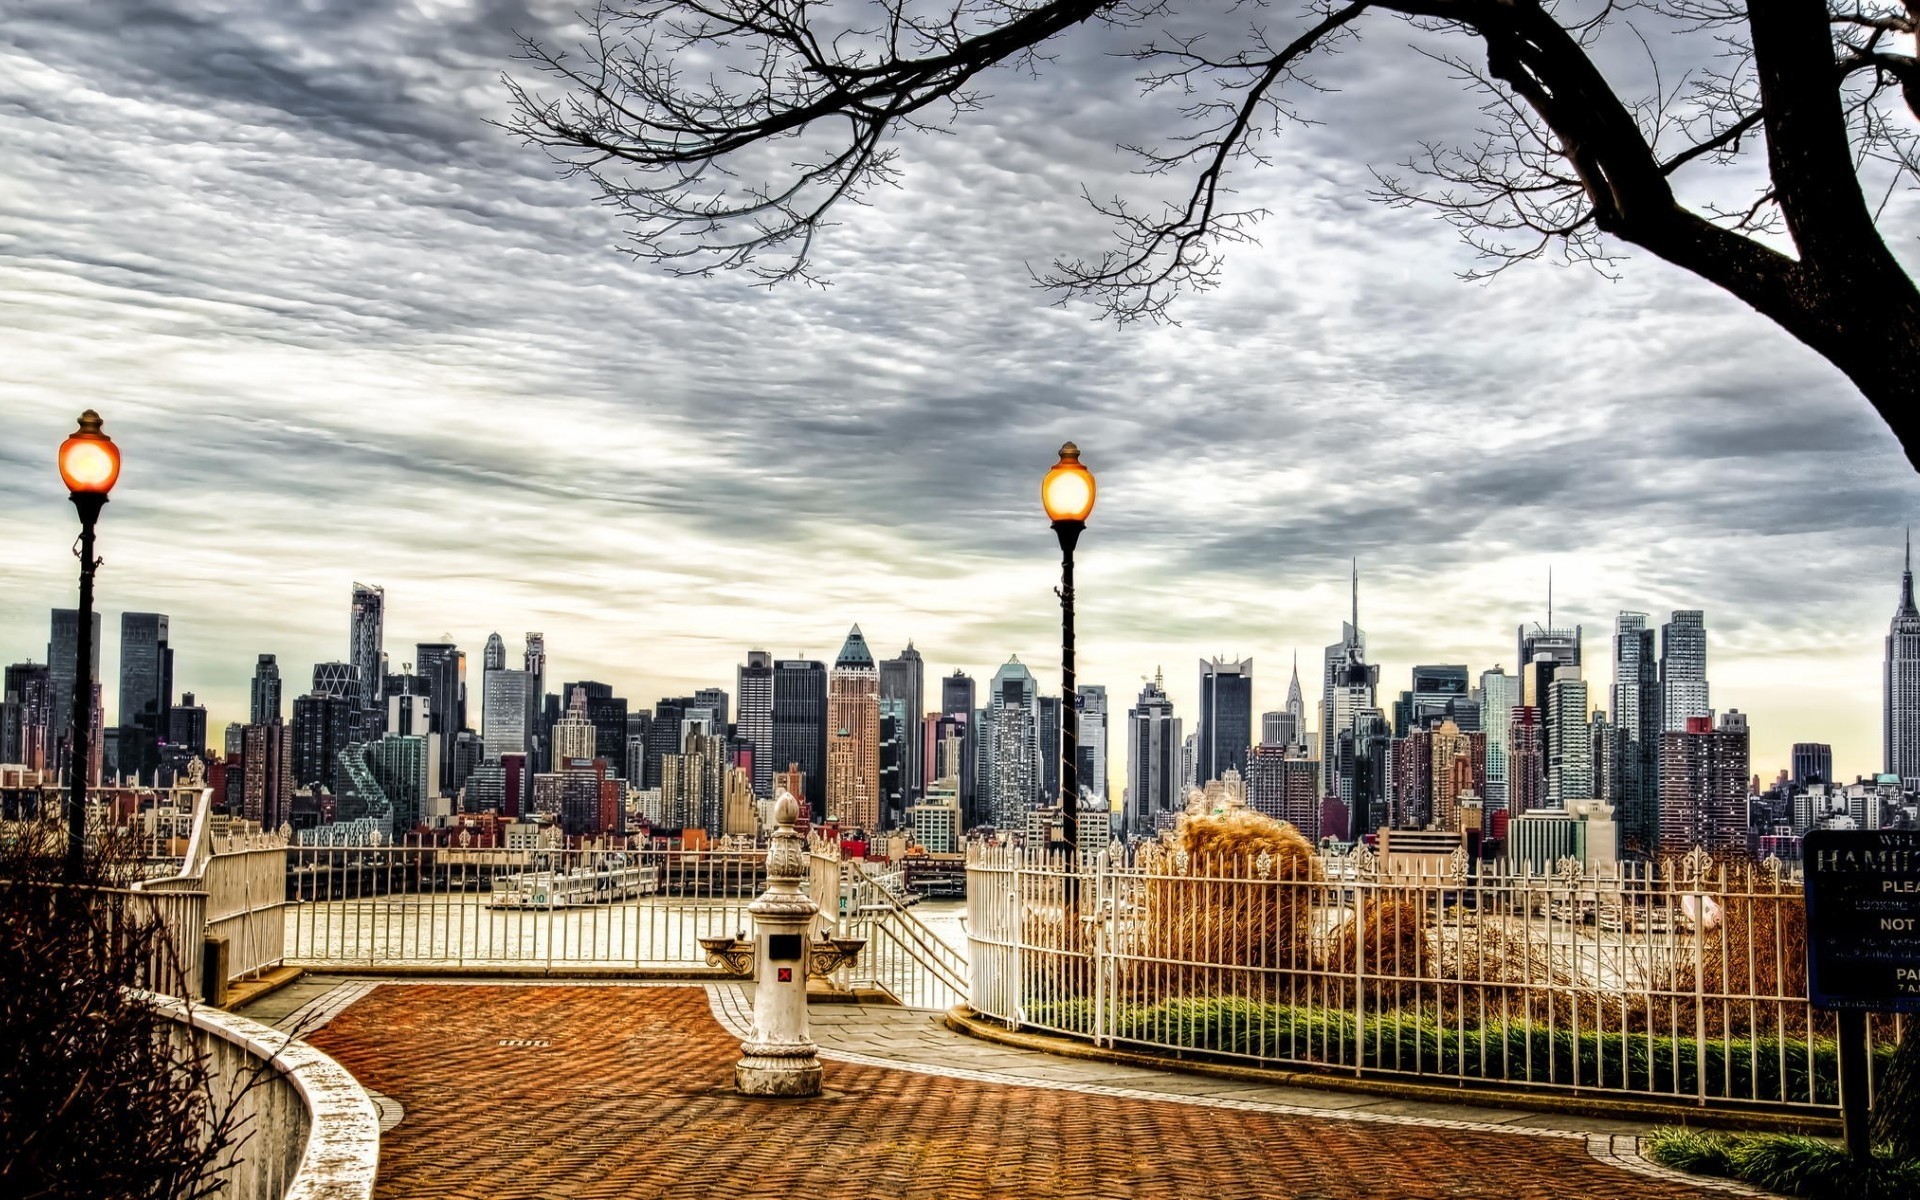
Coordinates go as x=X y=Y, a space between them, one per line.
x=427 y=905
x=1683 y=980
x=903 y=957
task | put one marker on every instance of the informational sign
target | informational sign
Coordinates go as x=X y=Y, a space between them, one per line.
x=1863 y=919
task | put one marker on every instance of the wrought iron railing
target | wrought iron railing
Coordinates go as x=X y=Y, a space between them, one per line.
x=1678 y=981
x=478 y=906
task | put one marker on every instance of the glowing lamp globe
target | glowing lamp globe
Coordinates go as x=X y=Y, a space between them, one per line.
x=89 y=461
x=1067 y=491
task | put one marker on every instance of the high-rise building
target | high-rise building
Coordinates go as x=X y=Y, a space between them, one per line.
x=904 y=678
x=366 y=643
x=1348 y=689
x=146 y=692
x=534 y=663
x=1900 y=680
x=494 y=658
x=800 y=725
x=62 y=646
x=1047 y=724
x=1703 y=786
x=1634 y=778
x=1276 y=728
x=265 y=692
x=445 y=666
x=573 y=735
x=957 y=700
x=187 y=728
x=1526 y=761
x=1297 y=706
x=1569 y=739
x=336 y=679
x=1441 y=691
x=1284 y=784
x=503 y=712
x=1012 y=739
x=693 y=785
x=267 y=795
x=323 y=726
x=1154 y=737
x=403 y=767
x=1545 y=650
x=410 y=714
x=27 y=718
x=715 y=701
x=893 y=761
x=1226 y=717
x=1499 y=692
x=853 y=734
x=607 y=713
x=754 y=687
x=1812 y=763
x=1092 y=766
x=1683 y=670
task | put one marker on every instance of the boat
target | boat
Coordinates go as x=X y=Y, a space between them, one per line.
x=579 y=887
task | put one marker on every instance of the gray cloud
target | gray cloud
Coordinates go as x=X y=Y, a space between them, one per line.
x=347 y=328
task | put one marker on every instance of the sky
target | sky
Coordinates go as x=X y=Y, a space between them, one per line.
x=345 y=328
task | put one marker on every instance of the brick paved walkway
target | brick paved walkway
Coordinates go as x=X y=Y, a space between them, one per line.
x=591 y=1091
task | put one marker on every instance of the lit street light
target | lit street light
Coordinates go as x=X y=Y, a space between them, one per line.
x=89 y=463
x=1067 y=494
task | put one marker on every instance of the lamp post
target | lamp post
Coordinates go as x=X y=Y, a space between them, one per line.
x=1067 y=495
x=89 y=463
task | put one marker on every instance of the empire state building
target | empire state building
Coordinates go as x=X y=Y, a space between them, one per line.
x=1903 y=684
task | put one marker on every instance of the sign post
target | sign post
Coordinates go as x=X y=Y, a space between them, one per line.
x=1863 y=946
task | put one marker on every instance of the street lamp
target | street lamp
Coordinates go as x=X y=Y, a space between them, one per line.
x=89 y=463
x=1067 y=495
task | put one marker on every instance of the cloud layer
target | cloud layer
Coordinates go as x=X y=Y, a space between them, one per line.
x=346 y=329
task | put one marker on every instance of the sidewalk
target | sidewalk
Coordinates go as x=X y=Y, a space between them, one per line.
x=623 y=1089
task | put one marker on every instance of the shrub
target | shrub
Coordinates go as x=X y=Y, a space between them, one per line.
x=1789 y=1163
x=97 y=1098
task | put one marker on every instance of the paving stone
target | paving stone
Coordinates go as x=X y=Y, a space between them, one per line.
x=632 y=1100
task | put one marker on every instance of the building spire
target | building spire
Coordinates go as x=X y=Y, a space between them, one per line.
x=1907 y=608
x=1356 y=597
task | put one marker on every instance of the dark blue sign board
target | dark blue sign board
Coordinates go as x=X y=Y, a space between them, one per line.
x=1863 y=919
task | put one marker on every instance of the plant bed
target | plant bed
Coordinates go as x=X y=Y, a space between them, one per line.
x=1790 y=1164
x=1762 y=1067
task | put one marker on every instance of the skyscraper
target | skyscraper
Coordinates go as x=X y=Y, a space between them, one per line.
x=63 y=643
x=957 y=700
x=323 y=726
x=445 y=667
x=1635 y=774
x=1812 y=763
x=1226 y=717
x=800 y=725
x=754 y=688
x=535 y=665
x=366 y=642
x=503 y=712
x=1153 y=761
x=853 y=732
x=1569 y=739
x=1350 y=690
x=1093 y=747
x=573 y=734
x=715 y=701
x=146 y=691
x=1703 y=786
x=27 y=718
x=265 y=692
x=187 y=728
x=336 y=679
x=494 y=658
x=1526 y=774
x=1901 y=681
x=1683 y=670
x=267 y=794
x=903 y=678
x=1284 y=784
x=1499 y=693
x=1014 y=773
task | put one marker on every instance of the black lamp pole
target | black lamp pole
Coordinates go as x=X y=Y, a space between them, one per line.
x=1069 y=535
x=88 y=504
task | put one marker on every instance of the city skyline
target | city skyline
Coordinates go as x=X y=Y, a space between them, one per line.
x=1598 y=678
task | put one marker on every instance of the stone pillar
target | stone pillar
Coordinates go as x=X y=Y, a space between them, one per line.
x=778 y=1059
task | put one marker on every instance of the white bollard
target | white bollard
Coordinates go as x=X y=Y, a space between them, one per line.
x=779 y=1058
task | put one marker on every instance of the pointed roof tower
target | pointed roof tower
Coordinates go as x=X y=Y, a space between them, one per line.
x=854 y=652
x=1907 y=611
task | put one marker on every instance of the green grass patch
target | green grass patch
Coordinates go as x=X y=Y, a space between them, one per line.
x=1405 y=1039
x=1791 y=1164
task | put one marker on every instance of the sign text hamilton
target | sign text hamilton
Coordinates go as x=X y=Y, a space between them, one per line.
x=1863 y=919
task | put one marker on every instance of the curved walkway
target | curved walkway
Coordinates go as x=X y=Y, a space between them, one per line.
x=537 y=1089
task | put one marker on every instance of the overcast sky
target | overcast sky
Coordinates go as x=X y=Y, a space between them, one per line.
x=345 y=329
